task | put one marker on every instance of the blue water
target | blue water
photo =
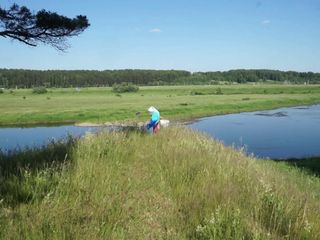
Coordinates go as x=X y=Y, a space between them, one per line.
x=278 y=134
x=21 y=138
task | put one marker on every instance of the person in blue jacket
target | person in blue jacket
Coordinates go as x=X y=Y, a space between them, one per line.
x=154 y=122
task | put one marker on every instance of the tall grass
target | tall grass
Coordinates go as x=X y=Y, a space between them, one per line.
x=177 y=184
x=27 y=175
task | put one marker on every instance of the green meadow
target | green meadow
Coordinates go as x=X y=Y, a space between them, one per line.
x=101 y=105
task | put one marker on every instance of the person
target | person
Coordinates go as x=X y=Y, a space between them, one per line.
x=154 y=122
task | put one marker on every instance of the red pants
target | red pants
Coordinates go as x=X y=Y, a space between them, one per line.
x=156 y=128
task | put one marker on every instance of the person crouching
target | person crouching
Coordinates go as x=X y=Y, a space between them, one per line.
x=154 y=122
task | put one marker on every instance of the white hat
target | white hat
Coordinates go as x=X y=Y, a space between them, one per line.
x=152 y=109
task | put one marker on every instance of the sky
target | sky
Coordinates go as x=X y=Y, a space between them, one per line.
x=193 y=35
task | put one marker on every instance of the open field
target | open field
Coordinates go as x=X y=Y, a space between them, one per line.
x=177 y=184
x=174 y=102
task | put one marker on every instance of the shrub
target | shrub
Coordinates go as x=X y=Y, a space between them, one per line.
x=219 y=91
x=125 y=87
x=214 y=82
x=1 y=91
x=39 y=90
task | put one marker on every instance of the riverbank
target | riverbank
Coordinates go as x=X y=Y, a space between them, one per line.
x=310 y=165
x=177 y=184
x=177 y=103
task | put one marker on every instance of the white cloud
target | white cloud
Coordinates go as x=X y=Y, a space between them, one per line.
x=266 y=22
x=155 y=30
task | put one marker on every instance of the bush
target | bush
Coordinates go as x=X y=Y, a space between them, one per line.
x=1 y=91
x=125 y=87
x=39 y=90
x=219 y=91
x=214 y=82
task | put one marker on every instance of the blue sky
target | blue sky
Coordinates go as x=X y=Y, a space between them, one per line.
x=194 y=35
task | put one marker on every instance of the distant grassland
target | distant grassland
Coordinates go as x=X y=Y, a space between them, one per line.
x=174 y=102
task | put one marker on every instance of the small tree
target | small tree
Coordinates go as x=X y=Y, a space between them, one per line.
x=42 y=27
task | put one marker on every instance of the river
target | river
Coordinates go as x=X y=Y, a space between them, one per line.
x=278 y=134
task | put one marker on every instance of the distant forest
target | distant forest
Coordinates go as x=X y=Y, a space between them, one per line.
x=17 y=78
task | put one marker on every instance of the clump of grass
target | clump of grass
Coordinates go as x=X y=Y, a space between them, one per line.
x=176 y=184
x=183 y=104
x=196 y=93
x=224 y=223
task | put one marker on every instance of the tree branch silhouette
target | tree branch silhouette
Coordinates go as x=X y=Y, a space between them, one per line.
x=45 y=27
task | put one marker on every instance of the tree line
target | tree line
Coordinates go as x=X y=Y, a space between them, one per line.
x=19 y=78
x=11 y=78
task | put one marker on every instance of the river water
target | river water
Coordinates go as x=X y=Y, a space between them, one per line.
x=278 y=134
x=21 y=138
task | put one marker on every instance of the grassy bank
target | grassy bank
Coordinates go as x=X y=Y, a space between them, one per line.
x=173 y=185
x=310 y=165
x=175 y=102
